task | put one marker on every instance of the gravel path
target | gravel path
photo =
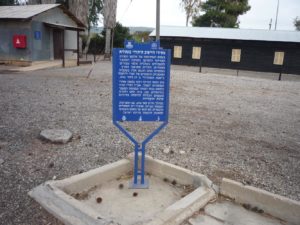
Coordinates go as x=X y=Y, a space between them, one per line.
x=243 y=128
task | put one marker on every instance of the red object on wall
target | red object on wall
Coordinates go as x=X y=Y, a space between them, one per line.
x=19 y=41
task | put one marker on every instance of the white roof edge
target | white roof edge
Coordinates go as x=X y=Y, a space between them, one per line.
x=229 y=33
x=24 y=11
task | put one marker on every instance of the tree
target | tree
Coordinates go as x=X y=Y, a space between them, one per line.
x=221 y=13
x=139 y=36
x=7 y=2
x=191 y=8
x=120 y=34
x=297 y=23
x=95 y=7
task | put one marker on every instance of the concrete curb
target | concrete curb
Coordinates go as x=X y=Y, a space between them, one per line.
x=56 y=198
x=275 y=205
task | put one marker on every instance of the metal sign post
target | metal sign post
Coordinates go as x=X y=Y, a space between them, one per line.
x=141 y=83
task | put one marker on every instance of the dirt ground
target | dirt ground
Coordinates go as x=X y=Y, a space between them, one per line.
x=246 y=128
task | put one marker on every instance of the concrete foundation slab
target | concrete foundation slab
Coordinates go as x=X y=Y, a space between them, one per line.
x=204 y=220
x=102 y=196
x=275 y=205
x=126 y=206
x=235 y=214
x=176 y=196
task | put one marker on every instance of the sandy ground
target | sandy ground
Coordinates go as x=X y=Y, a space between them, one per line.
x=245 y=128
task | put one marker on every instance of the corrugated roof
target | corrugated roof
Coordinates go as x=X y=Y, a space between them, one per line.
x=29 y=11
x=24 y=11
x=229 y=33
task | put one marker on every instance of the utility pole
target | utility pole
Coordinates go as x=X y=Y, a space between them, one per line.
x=277 y=15
x=110 y=8
x=157 y=19
x=270 y=24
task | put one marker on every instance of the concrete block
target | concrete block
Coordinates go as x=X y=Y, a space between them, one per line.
x=236 y=215
x=276 y=205
x=96 y=177
x=173 y=172
x=204 y=220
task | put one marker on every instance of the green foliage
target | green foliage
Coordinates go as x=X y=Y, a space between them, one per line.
x=191 y=8
x=63 y=2
x=140 y=36
x=97 y=44
x=222 y=13
x=95 y=7
x=120 y=34
x=8 y=2
x=297 y=23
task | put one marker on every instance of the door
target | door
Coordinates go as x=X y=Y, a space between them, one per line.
x=58 y=43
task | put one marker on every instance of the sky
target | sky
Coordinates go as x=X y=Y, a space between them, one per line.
x=142 y=13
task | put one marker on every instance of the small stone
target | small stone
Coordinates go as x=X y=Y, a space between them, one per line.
x=247 y=206
x=182 y=152
x=260 y=211
x=167 y=150
x=174 y=182
x=99 y=200
x=51 y=165
x=171 y=152
x=3 y=144
x=77 y=137
x=56 y=136
x=166 y=179
x=121 y=186
x=135 y=194
x=1 y=161
x=54 y=178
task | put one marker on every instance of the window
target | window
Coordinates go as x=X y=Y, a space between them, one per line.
x=236 y=55
x=177 y=52
x=196 y=53
x=278 y=58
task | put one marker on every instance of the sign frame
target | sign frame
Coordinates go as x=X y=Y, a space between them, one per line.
x=139 y=180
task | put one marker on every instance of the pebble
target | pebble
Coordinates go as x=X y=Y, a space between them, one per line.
x=182 y=152
x=167 y=150
x=3 y=143
x=54 y=178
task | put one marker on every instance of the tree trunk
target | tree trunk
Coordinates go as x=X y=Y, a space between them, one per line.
x=88 y=41
x=187 y=21
x=107 y=43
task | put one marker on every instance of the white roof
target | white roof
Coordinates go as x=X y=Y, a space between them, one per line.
x=229 y=33
x=24 y=11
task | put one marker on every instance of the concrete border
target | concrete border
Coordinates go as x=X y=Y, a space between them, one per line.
x=55 y=196
x=275 y=205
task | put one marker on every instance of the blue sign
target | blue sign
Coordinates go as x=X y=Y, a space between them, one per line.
x=37 y=35
x=141 y=83
x=141 y=77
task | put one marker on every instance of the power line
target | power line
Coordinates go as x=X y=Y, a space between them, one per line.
x=277 y=15
x=126 y=10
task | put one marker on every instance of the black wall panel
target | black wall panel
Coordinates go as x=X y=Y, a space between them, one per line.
x=255 y=55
